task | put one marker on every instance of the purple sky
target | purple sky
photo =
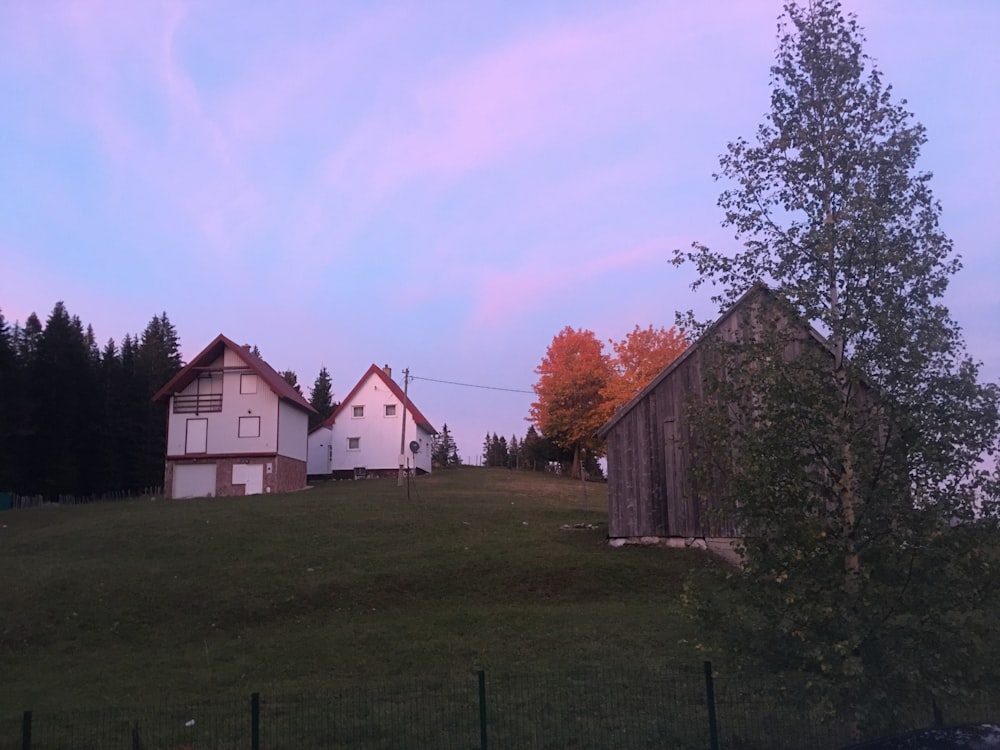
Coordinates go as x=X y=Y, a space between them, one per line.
x=435 y=185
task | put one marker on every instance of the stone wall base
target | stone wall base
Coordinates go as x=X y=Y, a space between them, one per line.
x=721 y=546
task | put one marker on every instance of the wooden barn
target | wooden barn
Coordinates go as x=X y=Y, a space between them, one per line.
x=652 y=492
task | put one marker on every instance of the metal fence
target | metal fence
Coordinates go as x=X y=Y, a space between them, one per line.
x=656 y=708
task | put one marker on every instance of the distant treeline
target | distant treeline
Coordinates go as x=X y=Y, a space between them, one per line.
x=533 y=453
x=77 y=418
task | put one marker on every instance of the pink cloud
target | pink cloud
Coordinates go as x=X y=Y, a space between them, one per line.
x=110 y=52
x=544 y=90
x=534 y=284
x=302 y=83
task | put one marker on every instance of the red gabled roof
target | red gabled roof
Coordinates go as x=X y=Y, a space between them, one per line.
x=278 y=385
x=418 y=418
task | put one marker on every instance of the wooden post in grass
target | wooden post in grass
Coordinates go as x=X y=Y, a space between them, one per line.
x=255 y=721
x=482 y=710
x=26 y=731
x=713 y=726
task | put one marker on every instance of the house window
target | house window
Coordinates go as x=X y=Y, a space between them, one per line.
x=354 y=444
x=390 y=410
x=359 y=411
x=249 y=427
x=248 y=383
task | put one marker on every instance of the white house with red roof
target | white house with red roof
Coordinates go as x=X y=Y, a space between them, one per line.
x=234 y=426
x=362 y=436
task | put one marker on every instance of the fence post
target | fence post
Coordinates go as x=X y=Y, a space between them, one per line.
x=26 y=731
x=482 y=710
x=938 y=715
x=255 y=721
x=713 y=726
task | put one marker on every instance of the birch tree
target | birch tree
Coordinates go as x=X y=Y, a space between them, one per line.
x=862 y=475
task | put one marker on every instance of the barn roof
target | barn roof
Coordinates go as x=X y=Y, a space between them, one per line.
x=255 y=364
x=758 y=289
x=418 y=418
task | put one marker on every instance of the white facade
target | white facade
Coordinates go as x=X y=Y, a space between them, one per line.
x=320 y=460
x=234 y=426
x=226 y=413
x=293 y=428
x=365 y=433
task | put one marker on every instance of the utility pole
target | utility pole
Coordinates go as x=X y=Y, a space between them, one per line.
x=402 y=434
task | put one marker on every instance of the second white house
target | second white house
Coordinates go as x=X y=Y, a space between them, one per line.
x=362 y=436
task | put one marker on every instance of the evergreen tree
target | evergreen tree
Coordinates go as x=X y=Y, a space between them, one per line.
x=157 y=359
x=9 y=395
x=80 y=420
x=856 y=471
x=62 y=393
x=292 y=379
x=111 y=471
x=26 y=340
x=321 y=398
x=445 y=452
x=133 y=418
x=530 y=449
x=514 y=459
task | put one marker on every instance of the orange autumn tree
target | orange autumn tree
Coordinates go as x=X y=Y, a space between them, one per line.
x=570 y=407
x=639 y=357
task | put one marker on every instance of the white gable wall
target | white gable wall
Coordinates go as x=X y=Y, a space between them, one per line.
x=225 y=433
x=378 y=435
x=422 y=459
x=293 y=426
x=318 y=461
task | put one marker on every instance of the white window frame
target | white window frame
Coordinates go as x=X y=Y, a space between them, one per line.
x=358 y=412
x=248 y=383
x=386 y=409
x=356 y=441
x=247 y=428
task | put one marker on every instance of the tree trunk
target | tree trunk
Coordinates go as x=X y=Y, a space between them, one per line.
x=577 y=466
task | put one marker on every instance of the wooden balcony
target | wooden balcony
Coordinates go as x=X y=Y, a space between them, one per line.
x=198 y=403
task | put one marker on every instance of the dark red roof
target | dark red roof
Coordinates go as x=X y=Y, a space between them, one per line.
x=418 y=418
x=212 y=352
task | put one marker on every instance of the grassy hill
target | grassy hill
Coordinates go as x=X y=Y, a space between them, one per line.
x=159 y=600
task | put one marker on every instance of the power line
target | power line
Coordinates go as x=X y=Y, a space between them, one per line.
x=471 y=385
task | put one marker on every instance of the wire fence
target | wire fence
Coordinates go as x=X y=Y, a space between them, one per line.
x=14 y=501
x=655 y=708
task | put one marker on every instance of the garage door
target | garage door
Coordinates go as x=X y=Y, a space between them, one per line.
x=194 y=480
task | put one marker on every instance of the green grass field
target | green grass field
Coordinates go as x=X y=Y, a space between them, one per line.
x=155 y=601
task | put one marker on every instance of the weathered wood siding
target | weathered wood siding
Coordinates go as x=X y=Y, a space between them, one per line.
x=649 y=490
x=651 y=452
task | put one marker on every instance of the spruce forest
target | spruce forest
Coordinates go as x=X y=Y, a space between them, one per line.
x=76 y=418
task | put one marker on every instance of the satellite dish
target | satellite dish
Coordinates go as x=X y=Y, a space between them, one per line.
x=414 y=446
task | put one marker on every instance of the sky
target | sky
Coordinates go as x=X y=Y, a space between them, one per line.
x=439 y=186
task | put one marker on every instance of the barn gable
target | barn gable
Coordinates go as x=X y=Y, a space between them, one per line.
x=653 y=488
